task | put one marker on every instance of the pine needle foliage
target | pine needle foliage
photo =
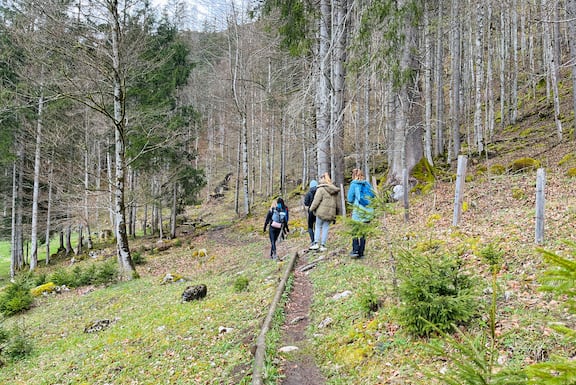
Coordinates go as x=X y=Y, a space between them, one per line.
x=560 y=280
x=473 y=360
x=435 y=294
x=16 y=297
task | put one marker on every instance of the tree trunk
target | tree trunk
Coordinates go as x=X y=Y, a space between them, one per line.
x=86 y=190
x=439 y=69
x=479 y=78
x=490 y=107
x=126 y=266
x=174 y=208
x=339 y=37
x=13 y=244
x=427 y=85
x=80 y=246
x=68 y=239
x=109 y=167
x=36 y=190
x=239 y=96
x=49 y=212
x=503 y=58
x=407 y=145
x=456 y=80
x=323 y=90
x=551 y=62
x=514 y=72
x=571 y=17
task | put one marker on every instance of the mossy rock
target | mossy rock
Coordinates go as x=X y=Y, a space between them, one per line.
x=47 y=288
x=569 y=158
x=518 y=194
x=525 y=133
x=571 y=172
x=423 y=171
x=497 y=169
x=524 y=164
x=481 y=169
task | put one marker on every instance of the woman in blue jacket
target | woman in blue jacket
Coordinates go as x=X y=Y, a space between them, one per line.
x=359 y=196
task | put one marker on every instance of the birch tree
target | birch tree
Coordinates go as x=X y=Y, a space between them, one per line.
x=456 y=79
x=551 y=59
x=239 y=98
x=571 y=20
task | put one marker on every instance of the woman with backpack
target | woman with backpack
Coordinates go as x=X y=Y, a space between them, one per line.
x=324 y=207
x=277 y=220
x=359 y=195
x=308 y=199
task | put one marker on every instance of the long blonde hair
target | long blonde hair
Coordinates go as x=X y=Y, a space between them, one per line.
x=358 y=174
x=326 y=178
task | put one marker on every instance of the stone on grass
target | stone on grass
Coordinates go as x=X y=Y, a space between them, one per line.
x=193 y=293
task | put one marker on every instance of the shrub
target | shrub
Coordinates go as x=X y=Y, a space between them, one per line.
x=368 y=301
x=435 y=294
x=241 y=284
x=63 y=276
x=106 y=273
x=138 y=258
x=493 y=256
x=16 y=298
x=86 y=276
x=17 y=346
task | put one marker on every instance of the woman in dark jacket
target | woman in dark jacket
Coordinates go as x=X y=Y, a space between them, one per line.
x=277 y=223
x=308 y=199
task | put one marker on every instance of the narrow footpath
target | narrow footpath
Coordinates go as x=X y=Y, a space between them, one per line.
x=300 y=368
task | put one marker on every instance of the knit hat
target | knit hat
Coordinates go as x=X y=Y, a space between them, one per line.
x=313 y=183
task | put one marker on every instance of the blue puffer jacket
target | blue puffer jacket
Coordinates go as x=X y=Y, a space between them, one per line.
x=359 y=213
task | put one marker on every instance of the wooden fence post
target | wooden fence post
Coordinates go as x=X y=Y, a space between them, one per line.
x=460 y=179
x=343 y=199
x=540 y=200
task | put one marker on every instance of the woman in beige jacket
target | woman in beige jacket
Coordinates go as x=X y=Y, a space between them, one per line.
x=324 y=207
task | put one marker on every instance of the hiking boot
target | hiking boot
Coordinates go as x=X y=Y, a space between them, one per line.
x=314 y=247
x=323 y=248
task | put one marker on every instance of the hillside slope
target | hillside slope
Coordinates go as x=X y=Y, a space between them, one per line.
x=154 y=338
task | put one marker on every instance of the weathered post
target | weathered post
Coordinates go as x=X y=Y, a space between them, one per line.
x=540 y=200
x=460 y=179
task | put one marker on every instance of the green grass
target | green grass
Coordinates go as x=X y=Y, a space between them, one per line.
x=4 y=260
x=155 y=338
x=5 y=252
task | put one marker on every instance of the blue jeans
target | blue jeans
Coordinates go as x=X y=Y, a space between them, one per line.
x=321 y=231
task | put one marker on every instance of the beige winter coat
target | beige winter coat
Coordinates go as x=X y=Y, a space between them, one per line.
x=325 y=201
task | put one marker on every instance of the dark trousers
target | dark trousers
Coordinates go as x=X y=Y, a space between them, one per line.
x=311 y=224
x=274 y=234
x=358 y=246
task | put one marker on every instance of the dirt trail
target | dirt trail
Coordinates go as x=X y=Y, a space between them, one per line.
x=300 y=368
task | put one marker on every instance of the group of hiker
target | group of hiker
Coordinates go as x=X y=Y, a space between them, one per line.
x=321 y=204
